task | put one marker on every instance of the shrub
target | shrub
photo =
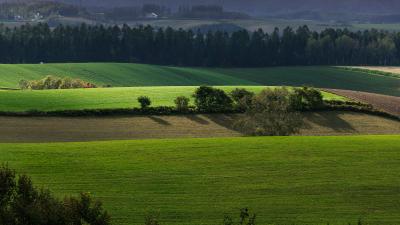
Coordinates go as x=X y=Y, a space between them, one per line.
x=22 y=203
x=151 y=219
x=306 y=99
x=52 y=82
x=245 y=218
x=242 y=98
x=182 y=103
x=209 y=99
x=270 y=113
x=144 y=101
x=23 y=84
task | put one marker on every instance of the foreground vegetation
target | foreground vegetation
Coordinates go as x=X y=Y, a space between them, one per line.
x=127 y=75
x=24 y=204
x=103 y=98
x=285 y=180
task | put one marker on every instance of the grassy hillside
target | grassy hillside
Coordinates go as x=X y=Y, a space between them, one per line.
x=103 y=98
x=125 y=75
x=285 y=180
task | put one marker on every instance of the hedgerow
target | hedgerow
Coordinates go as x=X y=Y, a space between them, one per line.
x=303 y=100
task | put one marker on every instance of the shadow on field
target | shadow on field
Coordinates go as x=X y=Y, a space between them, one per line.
x=328 y=120
x=225 y=120
x=160 y=121
x=197 y=119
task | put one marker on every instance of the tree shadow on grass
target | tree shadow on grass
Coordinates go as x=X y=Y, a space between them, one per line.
x=197 y=119
x=160 y=121
x=330 y=120
x=225 y=120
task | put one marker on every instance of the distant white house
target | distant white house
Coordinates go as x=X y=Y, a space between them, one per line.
x=18 y=17
x=151 y=16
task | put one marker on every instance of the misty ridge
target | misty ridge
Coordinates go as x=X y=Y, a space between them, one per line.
x=326 y=12
x=256 y=7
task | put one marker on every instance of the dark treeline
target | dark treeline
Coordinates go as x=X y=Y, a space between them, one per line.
x=39 y=43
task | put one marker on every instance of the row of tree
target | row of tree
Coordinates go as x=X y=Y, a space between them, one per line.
x=39 y=43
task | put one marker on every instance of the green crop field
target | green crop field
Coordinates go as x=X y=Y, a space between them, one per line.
x=285 y=180
x=103 y=98
x=127 y=75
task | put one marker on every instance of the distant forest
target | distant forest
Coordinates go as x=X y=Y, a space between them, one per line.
x=39 y=43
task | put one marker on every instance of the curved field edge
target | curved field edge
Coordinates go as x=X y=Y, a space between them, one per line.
x=388 y=71
x=104 y=98
x=285 y=180
x=126 y=74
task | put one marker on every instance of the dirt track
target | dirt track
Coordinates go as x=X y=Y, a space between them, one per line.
x=53 y=129
x=386 y=103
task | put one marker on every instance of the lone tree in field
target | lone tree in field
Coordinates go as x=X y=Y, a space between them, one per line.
x=270 y=113
x=144 y=101
x=22 y=204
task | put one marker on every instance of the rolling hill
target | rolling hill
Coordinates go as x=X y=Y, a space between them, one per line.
x=104 y=98
x=129 y=75
x=284 y=180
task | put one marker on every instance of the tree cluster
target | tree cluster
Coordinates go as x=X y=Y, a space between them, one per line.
x=52 y=82
x=145 y=44
x=23 y=204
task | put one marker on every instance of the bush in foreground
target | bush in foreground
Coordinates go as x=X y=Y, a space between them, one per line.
x=23 y=204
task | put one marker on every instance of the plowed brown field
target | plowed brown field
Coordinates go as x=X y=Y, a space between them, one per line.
x=53 y=129
x=386 y=103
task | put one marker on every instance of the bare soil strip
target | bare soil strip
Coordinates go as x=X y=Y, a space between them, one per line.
x=388 y=69
x=386 y=103
x=53 y=129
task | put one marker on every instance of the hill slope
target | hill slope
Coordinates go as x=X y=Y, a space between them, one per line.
x=104 y=98
x=60 y=129
x=123 y=75
x=284 y=180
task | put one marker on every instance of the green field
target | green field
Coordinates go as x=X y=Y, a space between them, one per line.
x=103 y=98
x=127 y=75
x=285 y=180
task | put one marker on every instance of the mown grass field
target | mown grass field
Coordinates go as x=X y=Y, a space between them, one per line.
x=103 y=98
x=285 y=180
x=127 y=75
